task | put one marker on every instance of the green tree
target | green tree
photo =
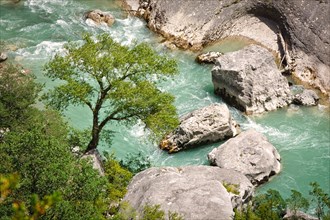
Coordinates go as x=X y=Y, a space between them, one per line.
x=246 y=214
x=118 y=179
x=39 y=152
x=8 y=183
x=297 y=202
x=269 y=205
x=116 y=82
x=322 y=201
x=17 y=92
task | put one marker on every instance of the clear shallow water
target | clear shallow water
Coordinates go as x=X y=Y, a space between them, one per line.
x=36 y=29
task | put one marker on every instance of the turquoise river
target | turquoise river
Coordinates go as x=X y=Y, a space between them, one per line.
x=34 y=30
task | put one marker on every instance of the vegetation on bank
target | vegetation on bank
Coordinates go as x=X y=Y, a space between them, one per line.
x=41 y=178
x=271 y=205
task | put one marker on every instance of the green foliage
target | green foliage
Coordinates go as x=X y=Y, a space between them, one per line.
x=231 y=188
x=115 y=82
x=7 y=184
x=40 y=153
x=269 y=205
x=17 y=92
x=149 y=212
x=136 y=163
x=297 y=202
x=118 y=178
x=38 y=208
x=78 y=138
x=321 y=199
x=153 y=213
x=246 y=214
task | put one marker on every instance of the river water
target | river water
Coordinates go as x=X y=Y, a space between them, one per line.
x=36 y=29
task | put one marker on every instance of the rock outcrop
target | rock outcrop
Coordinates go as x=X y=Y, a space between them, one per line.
x=95 y=159
x=307 y=97
x=100 y=17
x=209 y=57
x=298 y=215
x=249 y=153
x=195 y=192
x=249 y=80
x=3 y=57
x=298 y=30
x=206 y=125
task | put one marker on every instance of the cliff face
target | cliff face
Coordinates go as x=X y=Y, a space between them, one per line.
x=299 y=29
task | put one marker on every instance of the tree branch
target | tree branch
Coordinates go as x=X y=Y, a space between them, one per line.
x=112 y=117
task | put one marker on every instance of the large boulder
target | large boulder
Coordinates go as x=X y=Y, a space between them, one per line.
x=206 y=125
x=306 y=97
x=250 y=80
x=195 y=192
x=297 y=30
x=99 y=17
x=249 y=153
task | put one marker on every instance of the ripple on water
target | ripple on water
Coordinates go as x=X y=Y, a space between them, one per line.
x=300 y=134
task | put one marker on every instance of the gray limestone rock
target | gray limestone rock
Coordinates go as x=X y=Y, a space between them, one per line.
x=95 y=159
x=296 y=30
x=99 y=17
x=249 y=153
x=250 y=80
x=206 y=125
x=307 y=97
x=209 y=57
x=299 y=215
x=195 y=192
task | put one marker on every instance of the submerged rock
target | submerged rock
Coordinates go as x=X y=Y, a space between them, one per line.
x=209 y=57
x=99 y=17
x=195 y=192
x=307 y=97
x=249 y=80
x=249 y=153
x=206 y=125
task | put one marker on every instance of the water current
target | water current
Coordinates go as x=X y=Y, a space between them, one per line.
x=34 y=30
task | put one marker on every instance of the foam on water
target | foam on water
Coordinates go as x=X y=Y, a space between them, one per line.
x=44 y=50
x=48 y=6
x=300 y=134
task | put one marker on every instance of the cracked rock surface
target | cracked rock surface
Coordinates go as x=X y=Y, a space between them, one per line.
x=195 y=192
x=249 y=153
x=206 y=125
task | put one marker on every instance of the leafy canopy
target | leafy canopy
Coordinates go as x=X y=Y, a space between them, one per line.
x=17 y=92
x=116 y=82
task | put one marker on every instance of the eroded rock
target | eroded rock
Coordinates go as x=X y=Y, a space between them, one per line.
x=297 y=30
x=195 y=192
x=249 y=153
x=250 y=80
x=209 y=57
x=99 y=17
x=307 y=97
x=206 y=125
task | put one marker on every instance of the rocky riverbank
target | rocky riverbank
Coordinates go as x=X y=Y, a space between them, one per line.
x=296 y=30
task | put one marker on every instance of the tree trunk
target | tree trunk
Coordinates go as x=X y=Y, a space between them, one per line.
x=93 y=143
x=95 y=134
